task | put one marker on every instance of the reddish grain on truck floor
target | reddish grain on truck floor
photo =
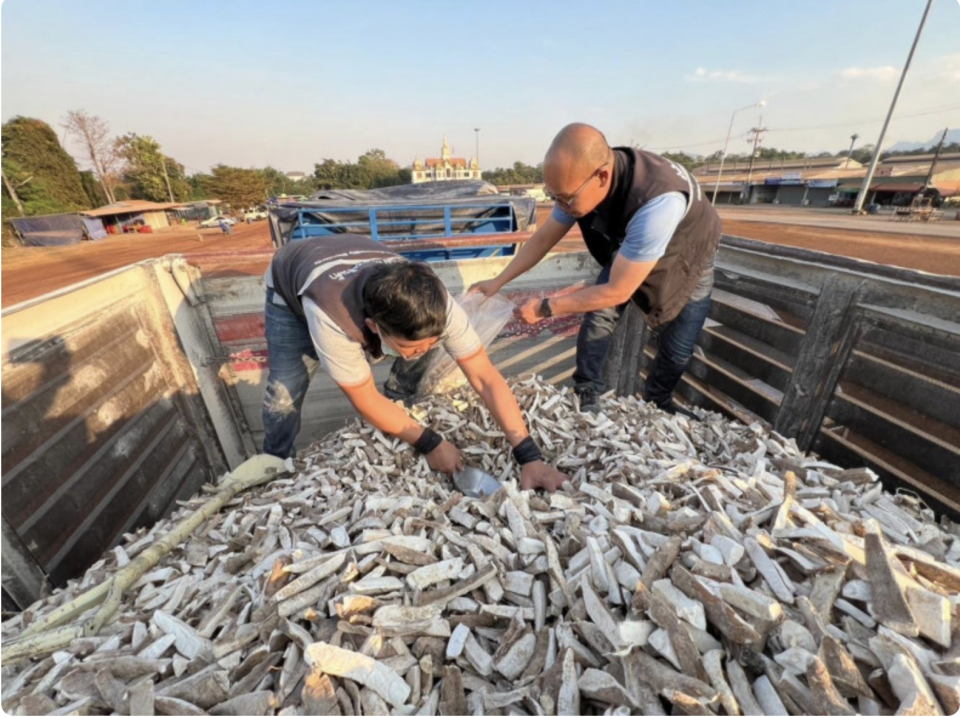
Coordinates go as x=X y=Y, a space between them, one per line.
x=28 y=272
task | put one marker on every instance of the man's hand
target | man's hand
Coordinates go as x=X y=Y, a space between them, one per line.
x=529 y=311
x=488 y=288
x=445 y=458
x=539 y=475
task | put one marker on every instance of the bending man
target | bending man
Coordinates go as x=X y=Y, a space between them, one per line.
x=345 y=301
x=647 y=223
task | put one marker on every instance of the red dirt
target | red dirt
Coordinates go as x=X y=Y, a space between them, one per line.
x=28 y=272
x=937 y=255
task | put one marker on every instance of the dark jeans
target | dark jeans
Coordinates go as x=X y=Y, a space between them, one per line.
x=676 y=342
x=405 y=376
x=293 y=361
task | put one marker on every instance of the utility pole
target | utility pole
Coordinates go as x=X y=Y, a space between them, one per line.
x=757 y=133
x=865 y=187
x=723 y=153
x=163 y=163
x=936 y=156
x=853 y=139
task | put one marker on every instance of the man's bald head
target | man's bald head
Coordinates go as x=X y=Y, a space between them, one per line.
x=578 y=155
x=578 y=148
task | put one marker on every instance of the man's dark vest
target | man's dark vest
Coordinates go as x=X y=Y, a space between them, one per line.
x=639 y=177
x=332 y=272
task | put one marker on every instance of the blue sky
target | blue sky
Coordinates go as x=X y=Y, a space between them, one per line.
x=289 y=84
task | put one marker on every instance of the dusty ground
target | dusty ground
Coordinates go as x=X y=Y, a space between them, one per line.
x=26 y=273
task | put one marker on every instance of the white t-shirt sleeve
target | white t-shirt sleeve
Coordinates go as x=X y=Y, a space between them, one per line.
x=459 y=339
x=340 y=356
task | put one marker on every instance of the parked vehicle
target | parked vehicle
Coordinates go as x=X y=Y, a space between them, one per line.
x=214 y=222
x=254 y=215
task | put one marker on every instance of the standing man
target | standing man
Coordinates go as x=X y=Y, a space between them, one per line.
x=344 y=301
x=649 y=226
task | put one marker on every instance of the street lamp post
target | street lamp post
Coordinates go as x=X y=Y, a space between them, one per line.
x=723 y=155
x=853 y=140
x=477 y=155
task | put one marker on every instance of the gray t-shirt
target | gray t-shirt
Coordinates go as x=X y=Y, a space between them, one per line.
x=345 y=360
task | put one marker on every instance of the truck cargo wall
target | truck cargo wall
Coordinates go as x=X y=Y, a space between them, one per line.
x=103 y=429
x=857 y=361
x=123 y=394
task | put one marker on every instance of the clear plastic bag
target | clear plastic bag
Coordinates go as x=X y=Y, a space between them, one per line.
x=488 y=316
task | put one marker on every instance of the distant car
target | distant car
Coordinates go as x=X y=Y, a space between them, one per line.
x=215 y=222
x=254 y=215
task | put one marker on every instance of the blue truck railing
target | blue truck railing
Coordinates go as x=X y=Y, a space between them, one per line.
x=413 y=222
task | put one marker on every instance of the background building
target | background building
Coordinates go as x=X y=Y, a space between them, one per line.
x=832 y=181
x=445 y=167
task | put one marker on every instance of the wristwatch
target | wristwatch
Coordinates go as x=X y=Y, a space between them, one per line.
x=545 y=311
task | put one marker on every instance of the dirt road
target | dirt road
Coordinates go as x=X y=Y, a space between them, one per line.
x=28 y=272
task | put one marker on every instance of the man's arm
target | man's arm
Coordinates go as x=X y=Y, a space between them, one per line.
x=647 y=236
x=528 y=256
x=625 y=278
x=384 y=414
x=499 y=399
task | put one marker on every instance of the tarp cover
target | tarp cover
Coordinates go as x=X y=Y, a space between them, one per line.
x=406 y=209
x=95 y=228
x=52 y=230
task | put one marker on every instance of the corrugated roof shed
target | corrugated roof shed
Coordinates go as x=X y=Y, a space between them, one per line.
x=135 y=206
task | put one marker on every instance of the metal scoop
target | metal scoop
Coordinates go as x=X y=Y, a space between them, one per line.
x=474 y=483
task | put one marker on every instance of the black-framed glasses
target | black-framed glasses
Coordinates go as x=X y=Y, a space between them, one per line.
x=568 y=201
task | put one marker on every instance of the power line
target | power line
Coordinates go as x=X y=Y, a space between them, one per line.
x=933 y=111
x=862 y=122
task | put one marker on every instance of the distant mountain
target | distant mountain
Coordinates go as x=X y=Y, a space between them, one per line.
x=952 y=136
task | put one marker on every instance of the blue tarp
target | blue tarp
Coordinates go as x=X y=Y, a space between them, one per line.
x=410 y=211
x=52 y=230
x=94 y=226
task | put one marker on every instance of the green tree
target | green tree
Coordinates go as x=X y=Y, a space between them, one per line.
x=238 y=187
x=43 y=175
x=147 y=171
x=279 y=183
x=682 y=158
x=519 y=173
x=378 y=170
x=93 y=189
x=373 y=169
x=863 y=154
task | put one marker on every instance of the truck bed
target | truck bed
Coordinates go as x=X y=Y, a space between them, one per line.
x=126 y=393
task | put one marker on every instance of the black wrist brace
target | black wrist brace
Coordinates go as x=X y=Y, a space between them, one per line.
x=427 y=441
x=526 y=451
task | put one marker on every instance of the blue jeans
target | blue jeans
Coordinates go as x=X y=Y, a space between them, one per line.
x=293 y=361
x=676 y=341
x=405 y=376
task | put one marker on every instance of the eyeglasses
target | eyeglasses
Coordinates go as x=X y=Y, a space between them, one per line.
x=568 y=201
